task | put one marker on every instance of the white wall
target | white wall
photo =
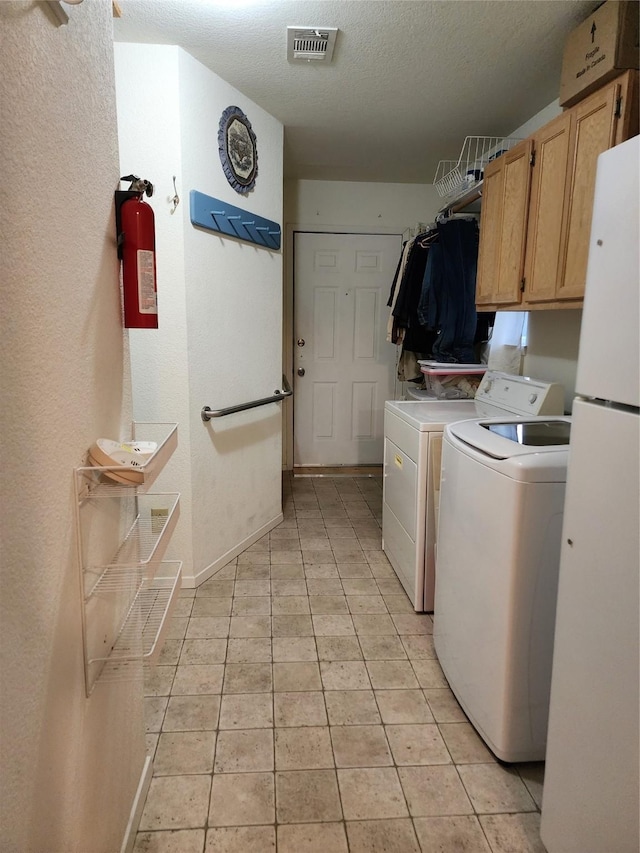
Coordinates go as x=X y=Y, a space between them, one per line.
x=360 y=205
x=220 y=305
x=70 y=765
x=552 y=349
x=150 y=147
x=545 y=115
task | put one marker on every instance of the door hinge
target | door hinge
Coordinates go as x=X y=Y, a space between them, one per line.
x=522 y=283
x=532 y=161
x=618 y=111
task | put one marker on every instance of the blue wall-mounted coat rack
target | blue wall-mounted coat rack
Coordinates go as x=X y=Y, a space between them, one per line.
x=215 y=215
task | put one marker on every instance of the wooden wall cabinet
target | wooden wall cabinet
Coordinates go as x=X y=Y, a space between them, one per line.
x=536 y=221
x=503 y=225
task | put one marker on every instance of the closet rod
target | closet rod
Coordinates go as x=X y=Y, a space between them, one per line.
x=463 y=202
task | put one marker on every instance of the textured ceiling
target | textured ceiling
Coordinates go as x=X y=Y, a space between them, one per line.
x=409 y=78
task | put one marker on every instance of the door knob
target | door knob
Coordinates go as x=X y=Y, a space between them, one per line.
x=300 y=342
x=301 y=371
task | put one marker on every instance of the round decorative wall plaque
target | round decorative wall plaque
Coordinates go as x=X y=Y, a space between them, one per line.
x=238 y=150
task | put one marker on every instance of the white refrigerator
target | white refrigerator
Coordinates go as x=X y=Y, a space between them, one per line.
x=591 y=796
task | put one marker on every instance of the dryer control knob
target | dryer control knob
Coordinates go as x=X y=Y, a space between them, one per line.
x=533 y=398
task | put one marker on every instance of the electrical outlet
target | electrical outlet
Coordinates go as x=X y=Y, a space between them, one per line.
x=159 y=517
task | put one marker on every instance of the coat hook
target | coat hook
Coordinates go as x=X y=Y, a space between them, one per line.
x=175 y=201
x=215 y=215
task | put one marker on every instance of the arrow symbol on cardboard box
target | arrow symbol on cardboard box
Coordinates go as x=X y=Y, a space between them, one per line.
x=593 y=32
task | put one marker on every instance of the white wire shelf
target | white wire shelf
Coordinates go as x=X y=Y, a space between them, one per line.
x=123 y=531
x=145 y=623
x=455 y=178
x=145 y=543
x=101 y=481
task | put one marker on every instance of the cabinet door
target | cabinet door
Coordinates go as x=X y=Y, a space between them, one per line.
x=594 y=123
x=503 y=228
x=490 y=217
x=546 y=212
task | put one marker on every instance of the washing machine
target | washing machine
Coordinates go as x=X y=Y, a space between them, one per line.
x=412 y=450
x=501 y=509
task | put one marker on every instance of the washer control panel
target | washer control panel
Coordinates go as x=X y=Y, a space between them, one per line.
x=521 y=395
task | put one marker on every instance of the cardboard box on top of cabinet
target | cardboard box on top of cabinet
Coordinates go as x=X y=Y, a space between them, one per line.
x=600 y=48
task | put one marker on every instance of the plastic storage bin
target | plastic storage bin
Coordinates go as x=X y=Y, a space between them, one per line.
x=452 y=382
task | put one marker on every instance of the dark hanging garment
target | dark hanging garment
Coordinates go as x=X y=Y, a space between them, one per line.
x=431 y=294
x=396 y=277
x=416 y=338
x=395 y=332
x=484 y=326
x=458 y=240
x=410 y=280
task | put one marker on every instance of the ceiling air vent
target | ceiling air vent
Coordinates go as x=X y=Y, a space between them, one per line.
x=312 y=44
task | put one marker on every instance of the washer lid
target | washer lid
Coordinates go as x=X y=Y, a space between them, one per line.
x=544 y=433
x=498 y=444
x=431 y=415
x=504 y=438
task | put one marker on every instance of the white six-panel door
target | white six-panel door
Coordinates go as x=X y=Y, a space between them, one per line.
x=341 y=287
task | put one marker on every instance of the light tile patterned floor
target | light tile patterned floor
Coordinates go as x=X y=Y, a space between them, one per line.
x=299 y=706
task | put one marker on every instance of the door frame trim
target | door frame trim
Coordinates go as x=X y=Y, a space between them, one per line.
x=287 y=313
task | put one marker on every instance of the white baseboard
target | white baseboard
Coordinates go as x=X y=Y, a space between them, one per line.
x=191 y=581
x=137 y=806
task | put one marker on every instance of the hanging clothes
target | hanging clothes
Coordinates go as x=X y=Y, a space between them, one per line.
x=392 y=331
x=431 y=293
x=403 y=327
x=405 y=299
x=449 y=291
x=432 y=299
x=408 y=367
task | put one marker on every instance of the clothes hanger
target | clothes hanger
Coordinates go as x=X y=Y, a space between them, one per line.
x=427 y=238
x=446 y=216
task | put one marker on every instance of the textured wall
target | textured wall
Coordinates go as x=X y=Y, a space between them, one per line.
x=219 y=341
x=360 y=205
x=149 y=140
x=70 y=765
x=538 y=120
x=552 y=349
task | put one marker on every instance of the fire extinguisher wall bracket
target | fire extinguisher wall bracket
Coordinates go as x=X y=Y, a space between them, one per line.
x=121 y=196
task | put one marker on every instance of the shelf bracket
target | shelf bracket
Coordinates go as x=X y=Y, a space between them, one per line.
x=58 y=12
x=60 y=15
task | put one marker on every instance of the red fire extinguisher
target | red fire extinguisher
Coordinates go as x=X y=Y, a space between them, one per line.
x=137 y=249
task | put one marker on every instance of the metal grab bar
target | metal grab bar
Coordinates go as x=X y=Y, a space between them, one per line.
x=206 y=414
